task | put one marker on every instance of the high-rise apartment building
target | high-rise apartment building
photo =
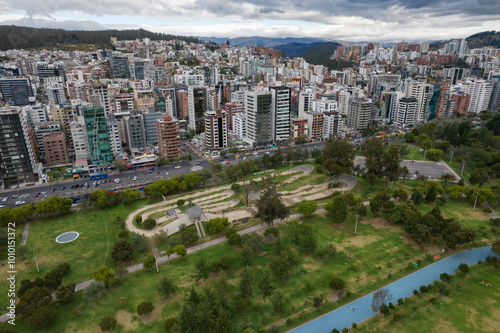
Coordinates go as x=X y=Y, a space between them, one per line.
x=258 y=105
x=360 y=113
x=17 y=161
x=97 y=132
x=115 y=140
x=240 y=124
x=332 y=124
x=119 y=66
x=150 y=126
x=406 y=111
x=169 y=137
x=480 y=93
x=42 y=129
x=231 y=110
x=315 y=125
x=305 y=103
x=144 y=99
x=100 y=89
x=299 y=127
x=38 y=113
x=422 y=92
x=280 y=113
x=124 y=102
x=56 y=150
x=16 y=91
x=215 y=130
x=443 y=97
x=80 y=139
x=134 y=129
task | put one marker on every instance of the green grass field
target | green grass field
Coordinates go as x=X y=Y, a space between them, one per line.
x=474 y=307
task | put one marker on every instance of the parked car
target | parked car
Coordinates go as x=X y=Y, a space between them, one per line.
x=178 y=167
x=37 y=195
x=63 y=188
x=18 y=203
x=135 y=178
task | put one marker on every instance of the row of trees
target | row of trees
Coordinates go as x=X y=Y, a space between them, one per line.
x=45 y=208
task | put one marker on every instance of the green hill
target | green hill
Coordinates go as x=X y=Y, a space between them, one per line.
x=294 y=49
x=485 y=38
x=14 y=37
x=320 y=55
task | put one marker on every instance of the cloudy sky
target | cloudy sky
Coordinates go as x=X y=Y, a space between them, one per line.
x=353 y=20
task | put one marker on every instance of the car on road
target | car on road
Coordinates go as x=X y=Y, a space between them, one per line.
x=18 y=203
x=2 y=205
x=37 y=195
x=221 y=160
x=247 y=153
x=43 y=194
x=94 y=184
x=244 y=158
x=53 y=189
x=416 y=172
x=178 y=167
x=117 y=181
x=15 y=196
x=227 y=163
x=63 y=188
x=412 y=161
x=135 y=178
x=4 y=199
x=150 y=171
x=197 y=163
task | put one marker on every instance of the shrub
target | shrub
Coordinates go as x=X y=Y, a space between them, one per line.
x=273 y=231
x=384 y=309
x=487 y=210
x=123 y=300
x=235 y=187
x=234 y=239
x=149 y=223
x=107 y=324
x=444 y=291
x=94 y=291
x=145 y=308
x=189 y=236
x=171 y=325
x=63 y=268
x=123 y=234
x=226 y=263
x=180 y=202
x=400 y=301
x=138 y=219
x=416 y=292
x=336 y=283
x=464 y=268
x=362 y=210
x=229 y=231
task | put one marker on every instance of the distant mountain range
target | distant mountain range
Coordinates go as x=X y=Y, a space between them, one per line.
x=296 y=49
x=48 y=24
x=267 y=41
x=485 y=38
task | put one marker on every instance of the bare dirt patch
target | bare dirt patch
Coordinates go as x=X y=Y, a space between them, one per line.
x=444 y=326
x=358 y=241
x=377 y=223
x=125 y=319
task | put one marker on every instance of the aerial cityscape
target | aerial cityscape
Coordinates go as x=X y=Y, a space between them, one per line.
x=254 y=167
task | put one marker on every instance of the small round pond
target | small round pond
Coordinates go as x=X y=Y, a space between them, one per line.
x=67 y=237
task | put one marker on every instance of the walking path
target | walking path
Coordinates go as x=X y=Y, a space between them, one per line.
x=25 y=233
x=360 y=309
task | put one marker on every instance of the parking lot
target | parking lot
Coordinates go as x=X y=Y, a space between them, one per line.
x=418 y=168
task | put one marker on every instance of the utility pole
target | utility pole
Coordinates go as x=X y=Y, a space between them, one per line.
x=36 y=263
x=425 y=151
x=356 y=226
x=451 y=158
x=156 y=260
x=475 y=202
x=463 y=167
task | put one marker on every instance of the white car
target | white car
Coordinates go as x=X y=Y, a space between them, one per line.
x=178 y=167
x=18 y=203
x=135 y=178
x=117 y=181
x=4 y=199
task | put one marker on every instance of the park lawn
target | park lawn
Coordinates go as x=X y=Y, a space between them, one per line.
x=415 y=152
x=473 y=308
x=364 y=189
x=85 y=254
x=375 y=252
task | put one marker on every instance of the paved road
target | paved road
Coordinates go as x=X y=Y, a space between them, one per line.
x=345 y=316
x=144 y=177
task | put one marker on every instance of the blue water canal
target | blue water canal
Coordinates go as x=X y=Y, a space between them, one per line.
x=345 y=316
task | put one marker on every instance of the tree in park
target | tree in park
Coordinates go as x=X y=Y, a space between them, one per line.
x=248 y=186
x=166 y=287
x=253 y=241
x=336 y=283
x=479 y=177
x=145 y=308
x=171 y=325
x=374 y=152
x=400 y=194
x=278 y=301
x=380 y=297
x=379 y=202
x=404 y=173
x=337 y=209
x=338 y=156
x=265 y=285
x=65 y=292
x=107 y=324
x=496 y=246
x=307 y=208
x=122 y=250
x=160 y=161
x=217 y=224
x=464 y=268
x=42 y=317
x=33 y=299
x=149 y=261
x=100 y=198
x=170 y=250
x=277 y=157
x=180 y=250
x=105 y=274
x=189 y=236
x=302 y=139
x=246 y=283
x=189 y=321
x=52 y=279
x=94 y=291
x=266 y=159
x=417 y=197
x=246 y=256
x=390 y=163
x=435 y=154
x=447 y=178
x=202 y=269
x=149 y=223
x=129 y=196
x=270 y=206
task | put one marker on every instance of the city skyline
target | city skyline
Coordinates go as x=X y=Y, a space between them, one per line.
x=367 y=20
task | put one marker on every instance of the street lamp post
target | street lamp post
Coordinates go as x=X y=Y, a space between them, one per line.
x=451 y=158
x=356 y=226
x=425 y=151
x=156 y=260
x=475 y=202
x=36 y=263
x=463 y=167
